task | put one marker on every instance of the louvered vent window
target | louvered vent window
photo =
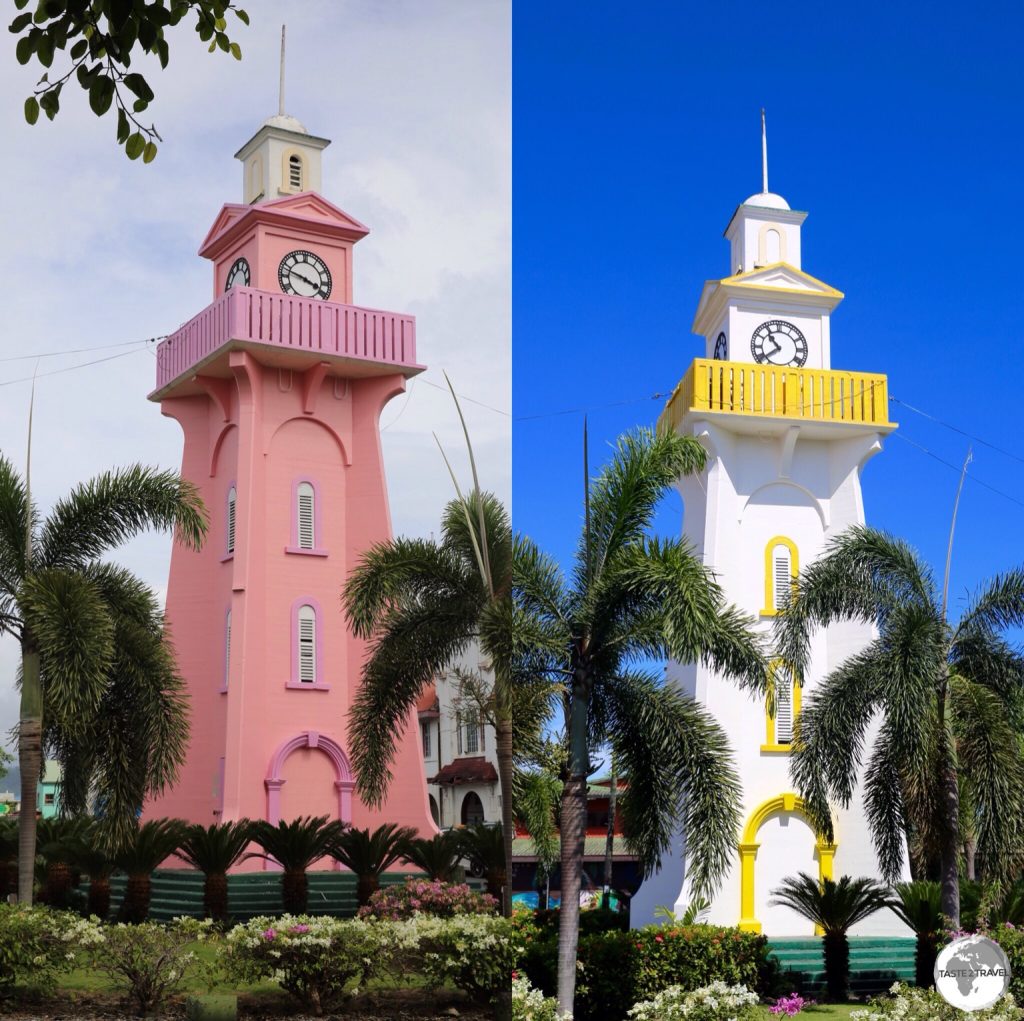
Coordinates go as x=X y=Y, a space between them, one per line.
x=305 y=512
x=232 y=500
x=783 y=706
x=295 y=172
x=307 y=644
x=227 y=648
x=782 y=567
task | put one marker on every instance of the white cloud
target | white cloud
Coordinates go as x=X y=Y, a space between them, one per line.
x=416 y=97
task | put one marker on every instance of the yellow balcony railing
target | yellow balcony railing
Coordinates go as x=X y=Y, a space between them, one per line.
x=769 y=391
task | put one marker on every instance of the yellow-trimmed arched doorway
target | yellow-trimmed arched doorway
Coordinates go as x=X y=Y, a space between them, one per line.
x=790 y=804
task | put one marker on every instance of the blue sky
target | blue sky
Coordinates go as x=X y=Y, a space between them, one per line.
x=636 y=133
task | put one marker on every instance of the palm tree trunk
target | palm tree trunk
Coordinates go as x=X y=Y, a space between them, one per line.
x=99 y=898
x=609 y=844
x=837 y=966
x=970 y=851
x=924 y=959
x=503 y=742
x=215 y=896
x=949 y=856
x=573 y=834
x=30 y=759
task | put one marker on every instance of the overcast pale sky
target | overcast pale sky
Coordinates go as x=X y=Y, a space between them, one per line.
x=416 y=97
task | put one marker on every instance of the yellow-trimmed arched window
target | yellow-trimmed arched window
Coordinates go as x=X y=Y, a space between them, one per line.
x=781 y=565
x=782 y=708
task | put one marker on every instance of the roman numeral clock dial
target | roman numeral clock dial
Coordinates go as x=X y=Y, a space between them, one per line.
x=778 y=343
x=304 y=274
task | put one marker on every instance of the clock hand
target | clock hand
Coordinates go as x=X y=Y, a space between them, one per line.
x=776 y=346
x=301 y=276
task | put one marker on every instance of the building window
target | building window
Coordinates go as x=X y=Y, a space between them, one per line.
x=435 y=813
x=232 y=513
x=307 y=645
x=781 y=566
x=227 y=648
x=779 y=724
x=425 y=731
x=48 y=799
x=472 y=810
x=305 y=510
x=295 y=172
x=470 y=733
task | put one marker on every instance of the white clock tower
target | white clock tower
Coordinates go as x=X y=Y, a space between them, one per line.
x=787 y=438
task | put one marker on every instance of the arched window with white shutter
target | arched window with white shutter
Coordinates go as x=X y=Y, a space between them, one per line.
x=781 y=566
x=307 y=519
x=232 y=517
x=307 y=645
x=227 y=650
x=782 y=709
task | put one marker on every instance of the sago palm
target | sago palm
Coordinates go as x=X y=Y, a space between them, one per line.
x=213 y=850
x=484 y=846
x=835 y=907
x=57 y=842
x=422 y=604
x=97 y=863
x=632 y=597
x=919 y=906
x=437 y=856
x=295 y=845
x=62 y=605
x=138 y=856
x=369 y=853
x=946 y=698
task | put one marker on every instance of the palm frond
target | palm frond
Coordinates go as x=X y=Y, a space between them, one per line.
x=297 y=843
x=835 y=906
x=214 y=849
x=370 y=852
x=13 y=530
x=112 y=508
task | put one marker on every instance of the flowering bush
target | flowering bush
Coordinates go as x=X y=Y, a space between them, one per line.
x=149 y=960
x=313 y=958
x=476 y=953
x=618 y=969
x=37 y=944
x=428 y=897
x=716 y=1002
x=909 y=1003
x=790 y=1005
x=529 y=1004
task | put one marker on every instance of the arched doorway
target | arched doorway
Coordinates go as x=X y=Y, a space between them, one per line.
x=784 y=804
x=472 y=809
x=435 y=813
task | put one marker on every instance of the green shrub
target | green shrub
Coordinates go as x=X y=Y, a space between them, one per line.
x=618 y=969
x=529 y=1004
x=907 y=1003
x=149 y=961
x=37 y=944
x=476 y=953
x=716 y=1002
x=1011 y=939
x=314 y=958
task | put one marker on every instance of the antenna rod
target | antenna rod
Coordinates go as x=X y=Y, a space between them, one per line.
x=764 y=146
x=280 y=93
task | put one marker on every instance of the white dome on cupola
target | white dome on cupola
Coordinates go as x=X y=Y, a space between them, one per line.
x=286 y=122
x=767 y=200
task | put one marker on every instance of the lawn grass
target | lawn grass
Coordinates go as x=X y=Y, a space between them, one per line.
x=824 y=1010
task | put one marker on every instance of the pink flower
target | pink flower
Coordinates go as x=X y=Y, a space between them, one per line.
x=659 y=939
x=269 y=934
x=296 y=928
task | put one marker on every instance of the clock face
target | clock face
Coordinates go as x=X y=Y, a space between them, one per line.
x=238 y=274
x=304 y=274
x=778 y=343
x=721 y=347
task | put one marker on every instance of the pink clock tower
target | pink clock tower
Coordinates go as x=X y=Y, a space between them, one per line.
x=278 y=386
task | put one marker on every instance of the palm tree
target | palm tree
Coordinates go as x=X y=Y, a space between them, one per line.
x=149 y=844
x=438 y=856
x=97 y=863
x=295 y=846
x=64 y=608
x=212 y=850
x=948 y=697
x=919 y=907
x=58 y=840
x=484 y=846
x=422 y=604
x=632 y=597
x=835 y=908
x=368 y=854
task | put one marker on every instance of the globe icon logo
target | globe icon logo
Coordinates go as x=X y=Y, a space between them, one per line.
x=972 y=973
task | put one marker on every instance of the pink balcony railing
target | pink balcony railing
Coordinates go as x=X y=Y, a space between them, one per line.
x=286 y=321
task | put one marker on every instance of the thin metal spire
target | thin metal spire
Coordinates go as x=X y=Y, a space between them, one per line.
x=764 y=135
x=280 y=92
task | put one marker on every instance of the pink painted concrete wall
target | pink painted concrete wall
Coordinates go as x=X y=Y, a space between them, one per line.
x=267 y=747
